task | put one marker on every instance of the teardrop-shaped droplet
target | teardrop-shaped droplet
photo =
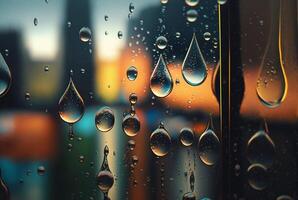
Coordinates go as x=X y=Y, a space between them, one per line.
x=85 y=34
x=272 y=81
x=132 y=73
x=192 y=2
x=71 y=105
x=186 y=136
x=105 y=178
x=160 y=141
x=209 y=146
x=5 y=76
x=284 y=197
x=194 y=69
x=131 y=125
x=257 y=176
x=161 y=82
x=261 y=148
x=104 y=119
x=4 y=193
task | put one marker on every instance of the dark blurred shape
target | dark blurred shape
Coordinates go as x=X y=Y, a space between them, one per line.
x=77 y=54
x=4 y=193
x=11 y=40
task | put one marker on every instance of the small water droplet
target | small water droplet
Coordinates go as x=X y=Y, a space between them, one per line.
x=131 y=7
x=131 y=144
x=163 y=1
x=207 y=36
x=192 y=15
x=35 y=21
x=133 y=98
x=194 y=68
x=222 y=2
x=104 y=119
x=41 y=170
x=161 y=42
x=186 y=136
x=106 y=17
x=71 y=105
x=68 y=24
x=192 y=2
x=160 y=141
x=257 y=176
x=5 y=77
x=85 y=34
x=46 y=68
x=27 y=96
x=132 y=73
x=120 y=34
x=161 y=82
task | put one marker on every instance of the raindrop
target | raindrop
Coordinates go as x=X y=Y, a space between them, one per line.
x=163 y=1
x=160 y=141
x=209 y=145
x=41 y=170
x=106 y=18
x=161 y=42
x=131 y=125
x=161 y=82
x=46 y=68
x=194 y=69
x=131 y=7
x=284 y=197
x=261 y=148
x=69 y=24
x=207 y=36
x=257 y=176
x=192 y=2
x=133 y=98
x=85 y=34
x=272 y=81
x=192 y=15
x=35 y=21
x=120 y=34
x=27 y=96
x=4 y=192
x=71 y=105
x=104 y=119
x=186 y=136
x=178 y=34
x=5 y=77
x=132 y=73
x=222 y=2
x=105 y=178
x=131 y=144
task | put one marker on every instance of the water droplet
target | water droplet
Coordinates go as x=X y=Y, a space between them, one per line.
x=186 y=136
x=131 y=125
x=209 y=145
x=207 y=36
x=133 y=98
x=120 y=34
x=134 y=160
x=194 y=68
x=71 y=105
x=105 y=178
x=222 y=2
x=189 y=196
x=131 y=7
x=261 y=148
x=161 y=82
x=5 y=77
x=192 y=2
x=192 y=15
x=131 y=144
x=104 y=119
x=178 y=34
x=106 y=18
x=82 y=159
x=257 y=176
x=160 y=141
x=272 y=81
x=163 y=1
x=132 y=73
x=85 y=34
x=41 y=170
x=46 y=68
x=35 y=21
x=83 y=71
x=27 y=96
x=284 y=197
x=161 y=42
x=68 y=24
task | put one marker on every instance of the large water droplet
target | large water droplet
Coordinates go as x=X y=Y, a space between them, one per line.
x=192 y=2
x=160 y=141
x=161 y=42
x=71 y=105
x=131 y=125
x=272 y=82
x=194 y=68
x=161 y=82
x=104 y=119
x=191 y=15
x=261 y=148
x=85 y=34
x=5 y=76
x=257 y=176
x=132 y=73
x=186 y=136
x=105 y=178
x=209 y=146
